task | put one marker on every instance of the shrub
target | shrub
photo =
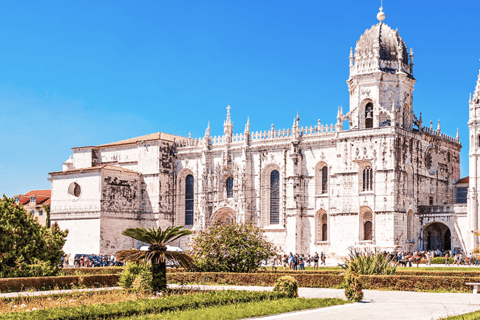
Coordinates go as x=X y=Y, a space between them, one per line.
x=353 y=285
x=137 y=276
x=230 y=248
x=27 y=249
x=367 y=263
x=287 y=285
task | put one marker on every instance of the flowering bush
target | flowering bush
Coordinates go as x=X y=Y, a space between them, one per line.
x=287 y=285
x=230 y=248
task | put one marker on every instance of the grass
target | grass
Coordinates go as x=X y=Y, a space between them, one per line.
x=153 y=305
x=245 y=310
x=468 y=316
x=75 y=299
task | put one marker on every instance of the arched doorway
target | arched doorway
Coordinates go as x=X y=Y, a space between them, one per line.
x=224 y=215
x=437 y=236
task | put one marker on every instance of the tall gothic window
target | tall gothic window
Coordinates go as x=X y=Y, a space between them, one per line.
x=367 y=179
x=410 y=225
x=410 y=185
x=274 y=197
x=230 y=187
x=367 y=226
x=369 y=116
x=324 y=179
x=324 y=227
x=189 y=199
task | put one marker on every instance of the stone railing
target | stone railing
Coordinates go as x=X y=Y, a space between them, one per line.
x=442 y=209
x=439 y=134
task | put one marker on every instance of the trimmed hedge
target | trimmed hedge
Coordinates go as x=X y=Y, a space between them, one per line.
x=145 y=306
x=91 y=271
x=46 y=283
x=404 y=272
x=392 y=282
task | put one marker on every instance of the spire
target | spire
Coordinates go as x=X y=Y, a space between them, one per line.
x=228 y=125
x=298 y=118
x=228 y=116
x=458 y=135
x=207 y=132
x=247 y=126
x=381 y=15
x=438 y=127
x=476 y=94
x=351 y=57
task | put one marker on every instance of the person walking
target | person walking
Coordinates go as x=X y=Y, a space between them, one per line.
x=323 y=258
x=429 y=258
x=315 y=261
x=447 y=263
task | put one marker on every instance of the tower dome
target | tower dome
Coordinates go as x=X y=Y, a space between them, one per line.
x=382 y=48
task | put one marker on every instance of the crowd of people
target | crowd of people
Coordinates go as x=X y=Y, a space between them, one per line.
x=90 y=261
x=299 y=261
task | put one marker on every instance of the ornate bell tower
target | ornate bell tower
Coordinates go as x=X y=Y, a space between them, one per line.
x=474 y=165
x=381 y=80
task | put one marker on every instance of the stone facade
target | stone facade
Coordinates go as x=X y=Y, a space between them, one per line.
x=386 y=182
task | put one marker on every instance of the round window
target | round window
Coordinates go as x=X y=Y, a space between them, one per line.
x=74 y=190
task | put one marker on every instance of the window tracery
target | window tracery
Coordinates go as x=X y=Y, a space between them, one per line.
x=274 y=197
x=189 y=200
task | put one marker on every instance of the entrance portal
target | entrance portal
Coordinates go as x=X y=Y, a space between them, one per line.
x=437 y=236
x=224 y=215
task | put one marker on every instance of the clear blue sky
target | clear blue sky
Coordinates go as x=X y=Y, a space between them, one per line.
x=78 y=73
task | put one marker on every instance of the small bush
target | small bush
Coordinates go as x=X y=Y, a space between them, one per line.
x=287 y=285
x=137 y=276
x=353 y=286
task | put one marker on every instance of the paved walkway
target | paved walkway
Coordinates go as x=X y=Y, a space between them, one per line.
x=377 y=305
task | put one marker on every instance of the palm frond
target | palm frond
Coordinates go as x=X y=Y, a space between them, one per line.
x=131 y=255
x=183 y=259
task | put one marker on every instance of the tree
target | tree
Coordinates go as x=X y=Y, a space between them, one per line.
x=157 y=252
x=27 y=248
x=230 y=248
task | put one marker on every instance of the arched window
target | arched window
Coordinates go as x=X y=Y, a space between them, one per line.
x=410 y=225
x=367 y=179
x=229 y=187
x=274 y=197
x=324 y=227
x=409 y=184
x=367 y=225
x=324 y=180
x=369 y=116
x=368 y=230
x=189 y=200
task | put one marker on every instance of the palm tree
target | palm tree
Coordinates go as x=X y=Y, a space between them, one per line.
x=157 y=252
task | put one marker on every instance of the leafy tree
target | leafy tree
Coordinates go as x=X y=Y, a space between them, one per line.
x=26 y=248
x=230 y=248
x=47 y=213
x=157 y=252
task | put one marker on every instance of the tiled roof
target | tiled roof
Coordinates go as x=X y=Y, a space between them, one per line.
x=463 y=180
x=42 y=197
x=34 y=193
x=152 y=136
x=103 y=166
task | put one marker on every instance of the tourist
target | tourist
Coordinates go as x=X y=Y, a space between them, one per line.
x=322 y=256
x=285 y=261
x=428 y=256
x=301 y=262
x=290 y=261
x=447 y=263
x=315 y=261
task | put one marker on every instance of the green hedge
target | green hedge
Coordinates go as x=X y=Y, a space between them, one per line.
x=47 y=283
x=394 y=282
x=91 y=271
x=146 y=306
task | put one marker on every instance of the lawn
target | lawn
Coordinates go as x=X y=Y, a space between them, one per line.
x=175 y=304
